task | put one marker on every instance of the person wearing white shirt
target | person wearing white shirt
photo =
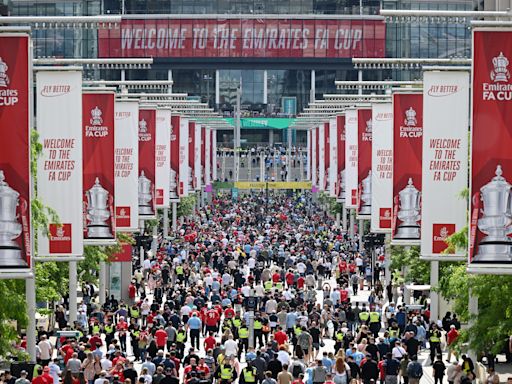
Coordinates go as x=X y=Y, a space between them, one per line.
x=231 y=347
x=251 y=263
x=246 y=290
x=259 y=291
x=271 y=306
x=185 y=311
x=301 y=268
x=46 y=350
x=398 y=351
x=55 y=370
x=106 y=364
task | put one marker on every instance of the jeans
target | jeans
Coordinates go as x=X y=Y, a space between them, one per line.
x=194 y=337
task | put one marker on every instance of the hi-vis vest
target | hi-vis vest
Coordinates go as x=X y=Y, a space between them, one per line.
x=134 y=313
x=363 y=316
x=109 y=329
x=374 y=317
x=181 y=336
x=243 y=333
x=258 y=324
x=136 y=333
x=279 y=285
x=393 y=332
x=237 y=322
x=96 y=329
x=268 y=285
x=435 y=338
x=339 y=336
x=297 y=330
x=226 y=373
x=179 y=270
x=249 y=375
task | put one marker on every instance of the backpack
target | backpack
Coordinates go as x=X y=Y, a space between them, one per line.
x=296 y=370
x=415 y=370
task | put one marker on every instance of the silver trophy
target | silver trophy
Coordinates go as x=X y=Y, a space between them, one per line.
x=10 y=228
x=366 y=195
x=342 y=186
x=145 y=196
x=496 y=220
x=409 y=212
x=173 y=190
x=191 y=183
x=98 y=212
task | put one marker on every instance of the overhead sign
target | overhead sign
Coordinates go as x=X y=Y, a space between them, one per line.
x=248 y=38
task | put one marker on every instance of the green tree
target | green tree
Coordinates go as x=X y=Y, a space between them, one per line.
x=407 y=266
x=186 y=206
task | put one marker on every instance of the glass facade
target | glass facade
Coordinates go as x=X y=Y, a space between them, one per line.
x=264 y=83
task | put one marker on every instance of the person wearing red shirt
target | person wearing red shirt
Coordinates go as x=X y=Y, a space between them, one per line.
x=280 y=336
x=343 y=295
x=67 y=351
x=352 y=268
x=289 y=278
x=300 y=282
x=342 y=266
x=40 y=379
x=209 y=342
x=219 y=309
x=122 y=327
x=161 y=338
x=189 y=368
x=47 y=376
x=276 y=278
x=202 y=367
x=95 y=341
x=451 y=337
x=229 y=313
x=132 y=290
x=212 y=320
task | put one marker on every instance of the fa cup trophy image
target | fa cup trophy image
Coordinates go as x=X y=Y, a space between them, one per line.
x=98 y=212
x=496 y=220
x=10 y=228
x=342 y=186
x=174 y=185
x=366 y=195
x=145 y=196
x=409 y=212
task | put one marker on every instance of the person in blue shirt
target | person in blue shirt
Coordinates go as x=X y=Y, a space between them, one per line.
x=194 y=324
x=291 y=320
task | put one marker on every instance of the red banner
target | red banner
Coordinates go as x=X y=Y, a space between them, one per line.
x=147 y=165
x=266 y=38
x=491 y=156
x=340 y=128
x=191 y=151
x=98 y=165
x=327 y=153
x=125 y=255
x=14 y=149
x=407 y=158
x=364 y=155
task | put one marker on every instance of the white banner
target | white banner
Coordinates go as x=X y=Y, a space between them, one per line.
x=333 y=154
x=445 y=158
x=126 y=162
x=351 y=158
x=197 y=156
x=314 y=165
x=382 y=167
x=59 y=172
x=208 y=155
x=183 y=172
x=321 y=159
x=163 y=158
x=214 y=154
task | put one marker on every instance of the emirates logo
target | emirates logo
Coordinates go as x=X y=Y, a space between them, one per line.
x=410 y=117
x=96 y=116
x=500 y=73
x=122 y=212
x=369 y=126
x=4 y=78
x=443 y=233
x=60 y=231
x=387 y=213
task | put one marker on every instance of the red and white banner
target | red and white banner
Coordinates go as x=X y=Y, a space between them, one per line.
x=382 y=167
x=198 y=169
x=15 y=185
x=327 y=151
x=175 y=157
x=208 y=156
x=248 y=38
x=213 y=141
x=309 y=156
x=333 y=155
x=147 y=163
x=351 y=158
x=203 y=153
x=321 y=159
x=445 y=158
x=490 y=239
x=340 y=173
x=407 y=165
x=59 y=172
x=364 y=162
x=163 y=154
x=127 y=165
x=98 y=163
x=183 y=157
x=191 y=155
x=314 y=157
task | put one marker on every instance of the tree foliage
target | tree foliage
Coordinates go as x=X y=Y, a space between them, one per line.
x=407 y=266
x=186 y=206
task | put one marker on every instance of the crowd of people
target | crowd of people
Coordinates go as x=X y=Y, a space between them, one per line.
x=263 y=290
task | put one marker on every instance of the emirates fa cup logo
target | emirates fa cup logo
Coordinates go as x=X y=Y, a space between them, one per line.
x=96 y=116
x=500 y=73
x=143 y=126
x=60 y=232
x=122 y=212
x=410 y=117
x=4 y=79
x=443 y=233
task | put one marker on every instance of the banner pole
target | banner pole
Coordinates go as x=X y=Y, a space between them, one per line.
x=338 y=216
x=174 y=216
x=72 y=293
x=361 y=233
x=387 y=258
x=30 y=292
x=102 y=282
x=166 y=222
x=352 y=222
x=434 y=296
x=344 y=218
